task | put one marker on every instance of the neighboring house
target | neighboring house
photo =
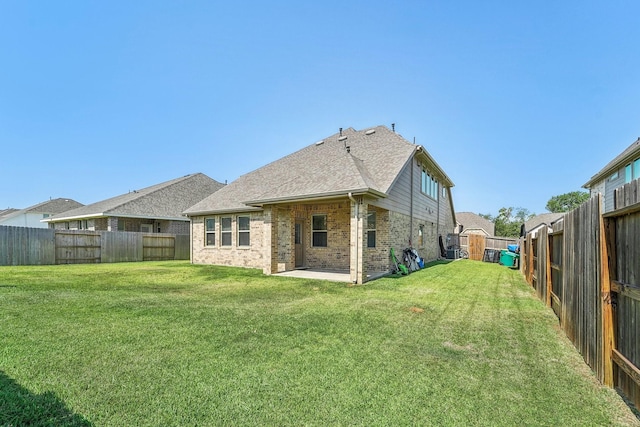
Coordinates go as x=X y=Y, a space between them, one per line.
x=537 y=222
x=155 y=209
x=338 y=204
x=619 y=171
x=6 y=212
x=470 y=223
x=32 y=216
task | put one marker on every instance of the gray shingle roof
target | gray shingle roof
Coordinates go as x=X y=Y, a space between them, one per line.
x=620 y=160
x=470 y=221
x=51 y=207
x=371 y=163
x=54 y=206
x=166 y=200
x=7 y=212
x=538 y=220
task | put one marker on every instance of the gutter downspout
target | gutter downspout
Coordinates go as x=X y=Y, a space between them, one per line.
x=357 y=234
x=191 y=249
x=413 y=160
x=438 y=217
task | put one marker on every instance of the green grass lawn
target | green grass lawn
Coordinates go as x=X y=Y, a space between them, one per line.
x=159 y=344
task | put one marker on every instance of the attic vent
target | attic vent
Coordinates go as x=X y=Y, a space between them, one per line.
x=320 y=142
x=370 y=132
x=342 y=138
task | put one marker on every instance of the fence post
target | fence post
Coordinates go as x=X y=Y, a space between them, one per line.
x=608 y=343
x=530 y=261
x=548 y=267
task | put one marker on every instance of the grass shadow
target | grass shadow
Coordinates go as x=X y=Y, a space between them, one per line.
x=20 y=407
x=426 y=266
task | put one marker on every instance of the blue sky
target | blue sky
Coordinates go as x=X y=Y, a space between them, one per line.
x=517 y=101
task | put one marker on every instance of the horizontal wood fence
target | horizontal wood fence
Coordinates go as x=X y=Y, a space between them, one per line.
x=475 y=244
x=39 y=246
x=586 y=268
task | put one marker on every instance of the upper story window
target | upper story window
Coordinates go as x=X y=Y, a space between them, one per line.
x=319 y=230
x=210 y=231
x=243 y=230
x=429 y=185
x=632 y=171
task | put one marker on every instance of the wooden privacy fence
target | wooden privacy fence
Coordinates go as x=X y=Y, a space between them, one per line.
x=475 y=244
x=36 y=246
x=587 y=269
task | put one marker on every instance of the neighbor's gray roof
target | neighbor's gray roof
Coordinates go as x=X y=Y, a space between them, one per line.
x=538 y=220
x=54 y=206
x=371 y=164
x=470 y=220
x=7 y=212
x=51 y=207
x=620 y=160
x=161 y=201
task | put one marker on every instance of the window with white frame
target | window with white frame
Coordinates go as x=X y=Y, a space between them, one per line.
x=225 y=231
x=244 y=230
x=319 y=230
x=210 y=231
x=429 y=184
x=371 y=229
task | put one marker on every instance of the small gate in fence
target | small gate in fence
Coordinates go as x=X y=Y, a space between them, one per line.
x=477 y=245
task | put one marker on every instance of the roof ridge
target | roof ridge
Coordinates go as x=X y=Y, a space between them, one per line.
x=363 y=172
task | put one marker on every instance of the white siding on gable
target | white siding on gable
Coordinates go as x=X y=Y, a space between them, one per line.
x=399 y=198
x=31 y=220
x=425 y=209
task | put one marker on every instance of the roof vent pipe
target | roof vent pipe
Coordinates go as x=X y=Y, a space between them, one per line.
x=393 y=127
x=340 y=131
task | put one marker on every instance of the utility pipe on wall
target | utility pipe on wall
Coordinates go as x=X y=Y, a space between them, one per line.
x=438 y=217
x=413 y=160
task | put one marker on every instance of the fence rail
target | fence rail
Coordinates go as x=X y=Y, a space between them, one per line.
x=37 y=246
x=587 y=269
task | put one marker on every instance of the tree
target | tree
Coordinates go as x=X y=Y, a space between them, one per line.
x=566 y=202
x=509 y=220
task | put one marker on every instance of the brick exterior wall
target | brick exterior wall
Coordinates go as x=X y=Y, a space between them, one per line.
x=274 y=228
x=174 y=227
x=272 y=239
x=425 y=239
x=336 y=255
x=284 y=239
x=98 y=224
x=376 y=259
x=254 y=256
